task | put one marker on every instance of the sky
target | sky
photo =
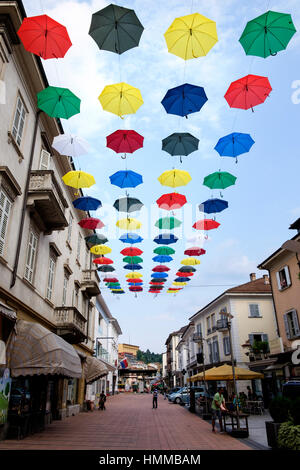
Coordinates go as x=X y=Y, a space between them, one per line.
x=263 y=202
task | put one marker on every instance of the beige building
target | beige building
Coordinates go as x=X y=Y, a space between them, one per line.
x=129 y=349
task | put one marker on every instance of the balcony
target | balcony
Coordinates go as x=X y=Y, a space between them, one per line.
x=90 y=282
x=70 y=324
x=46 y=201
x=197 y=337
x=214 y=328
x=222 y=325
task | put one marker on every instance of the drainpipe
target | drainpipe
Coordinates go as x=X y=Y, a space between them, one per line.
x=274 y=306
x=14 y=274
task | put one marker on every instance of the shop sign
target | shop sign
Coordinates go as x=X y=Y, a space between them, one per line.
x=5 y=387
x=296 y=357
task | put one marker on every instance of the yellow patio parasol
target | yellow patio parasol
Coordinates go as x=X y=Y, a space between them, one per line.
x=129 y=224
x=190 y=261
x=174 y=178
x=78 y=179
x=121 y=99
x=224 y=372
x=100 y=249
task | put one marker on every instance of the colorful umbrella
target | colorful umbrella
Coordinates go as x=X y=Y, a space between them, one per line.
x=133 y=266
x=96 y=239
x=131 y=251
x=171 y=201
x=175 y=283
x=70 y=145
x=191 y=36
x=211 y=206
x=155 y=283
x=116 y=29
x=58 y=102
x=164 y=250
x=78 y=179
x=44 y=37
x=100 y=250
x=180 y=143
x=110 y=279
x=113 y=285
x=123 y=141
x=128 y=204
x=267 y=34
x=174 y=178
x=135 y=289
x=102 y=260
x=134 y=275
x=234 y=144
x=134 y=280
x=165 y=239
x=187 y=269
x=195 y=251
x=219 y=180
x=182 y=279
x=131 y=238
x=190 y=261
x=121 y=99
x=106 y=269
x=184 y=99
x=91 y=223
x=206 y=224
x=162 y=259
x=126 y=179
x=129 y=224
x=160 y=268
x=87 y=203
x=185 y=274
x=133 y=259
x=168 y=223
x=159 y=275
x=248 y=92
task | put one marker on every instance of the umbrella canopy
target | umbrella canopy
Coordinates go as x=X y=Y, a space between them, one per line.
x=156 y=288
x=190 y=261
x=191 y=36
x=248 y=92
x=131 y=251
x=113 y=285
x=102 y=260
x=164 y=250
x=44 y=37
x=180 y=143
x=160 y=268
x=124 y=141
x=134 y=275
x=165 y=239
x=116 y=29
x=206 y=224
x=155 y=283
x=168 y=223
x=234 y=144
x=162 y=259
x=175 y=283
x=182 y=279
x=159 y=275
x=110 y=279
x=219 y=180
x=126 y=179
x=106 y=269
x=70 y=145
x=131 y=238
x=174 y=178
x=121 y=99
x=187 y=269
x=58 y=102
x=135 y=289
x=78 y=179
x=96 y=239
x=133 y=266
x=184 y=99
x=128 y=204
x=171 y=201
x=134 y=280
x=91 y=223
x=100 y=250
x=211 y=206
x=267 y=34
x=187 y=274
x=224 y=372
x=87 y=203
x=195 y=251
x=133 y=259
x=129 y=224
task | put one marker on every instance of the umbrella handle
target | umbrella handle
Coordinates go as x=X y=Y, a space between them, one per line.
x=123 y=156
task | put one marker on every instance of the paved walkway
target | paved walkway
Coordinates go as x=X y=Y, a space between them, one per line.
x=129 y=422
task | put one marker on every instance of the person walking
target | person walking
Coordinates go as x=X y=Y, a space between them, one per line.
x=155 y=395
x=102 y=401
x=218 y=405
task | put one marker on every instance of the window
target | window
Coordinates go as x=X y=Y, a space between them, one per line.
x=291 y=324
x=215 y=350
x=199 y=329
x=5 y=205
x=65 y=288
x=44 y=160
x=213 y=321
x=258 y=337
x=70 y=229
x=31 y=256
x=76 y=296
x=210 y=353
x=208 y=325
x=226 y=346
x=79 y=246
x=283 y=278
x=50 y=277
x=19 y=120
x=254 y=310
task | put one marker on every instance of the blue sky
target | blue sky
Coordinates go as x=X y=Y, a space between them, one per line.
x=264 y=200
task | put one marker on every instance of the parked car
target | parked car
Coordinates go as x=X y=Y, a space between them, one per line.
x=173 y=390
x=183 y=395
x=291 y=389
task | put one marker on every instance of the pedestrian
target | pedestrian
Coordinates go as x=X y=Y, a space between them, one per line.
x=250 y=394
x=102 y=401
x=155 y=395
x=218 y=405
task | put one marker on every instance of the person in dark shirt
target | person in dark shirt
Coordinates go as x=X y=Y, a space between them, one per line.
x=155 y=395
x=102 y=401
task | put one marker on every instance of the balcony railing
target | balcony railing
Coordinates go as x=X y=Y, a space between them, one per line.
x=197 y=337
x=90 y=282
x=222 y=325
x=70 y=324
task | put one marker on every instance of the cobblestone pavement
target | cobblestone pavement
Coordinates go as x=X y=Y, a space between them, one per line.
x=129 y=422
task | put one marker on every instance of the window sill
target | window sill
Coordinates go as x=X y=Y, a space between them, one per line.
x=68 y=245
x=78 y=263
x=29 y=284
x=49 y=302
x=3 y=260
x=11 y=140
x=284 y=288
x=258 y=316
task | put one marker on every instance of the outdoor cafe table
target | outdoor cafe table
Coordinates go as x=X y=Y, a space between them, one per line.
x=255 y=405
x=233 y=420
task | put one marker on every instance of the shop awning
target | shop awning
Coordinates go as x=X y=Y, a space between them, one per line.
x=94 y=369
x=277 y=366
x=7 y=312
x=34 y=350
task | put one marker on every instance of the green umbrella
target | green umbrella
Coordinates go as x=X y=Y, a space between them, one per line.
x=96 y=239
x=58 y=102
x=132 y=259
x=164 y=250
x=168 y=223
x=267 y=34
x=106 y=269
x=113 y=285
x=219 y=180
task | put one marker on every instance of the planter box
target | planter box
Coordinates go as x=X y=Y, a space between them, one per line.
x=272 y=430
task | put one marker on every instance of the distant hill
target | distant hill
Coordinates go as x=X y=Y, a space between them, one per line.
x=147 y=356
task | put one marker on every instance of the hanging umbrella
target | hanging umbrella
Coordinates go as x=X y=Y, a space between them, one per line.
x=133 y=259
x=190 y=261
x=100 y=250
x=182 y=279
x=116 y=29
x=195 y=251
x=191 y=36
x=131 y=251
x=219 y=180
x=171 y=201
x=91 y=223
x=136 y=289
x=248 y=92
x=211 y=206
x=78 y=179
x=164 y=250
x=133 y=266
x=180 y=143
x=70 y=145
x=58 y=102
x=155 y=283
x=174 y=178
x=44 y=37
x=165 y=239
x=129 y=224
x=267 y=34
x=124 y=141
x=102 y=260
x=159 y=275
x=117 y=291
x=87 y=203
x=134 y=275
x=184 y=99
x=110 y=279
x=162 y=259
x=106 y=269
x=128 y=204
x=160 y=268
x=206 y=224
x=234 y=144
x=185 y=274
x=156 y=287
x=96 y=239
x=168 y=223
x=175 y=283
x=131 y=238
x=175 y=288
x=187 y=269
x=134 y=280
x=113 y=285
x=121 y=99
x=126 y=179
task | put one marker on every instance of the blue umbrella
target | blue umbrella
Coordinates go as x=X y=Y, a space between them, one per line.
x=211 y=206
x=126 y=179
x=162 y=259
x=135 y=283
x=131 y=238
x=159 y=275
x=234 y=144
x=87 y=203
x=184 y=99
x=182 y=279
x=165 y=239
x=133 y=267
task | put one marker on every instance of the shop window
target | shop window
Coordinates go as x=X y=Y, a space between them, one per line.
x=291 y=324
x=19 y=121
x=283 y=278
x=5 y=206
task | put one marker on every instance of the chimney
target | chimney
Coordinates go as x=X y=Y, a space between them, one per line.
x=252 y=277
x=266 y=279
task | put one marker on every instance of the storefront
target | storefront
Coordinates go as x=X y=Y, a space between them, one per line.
x=95 y=373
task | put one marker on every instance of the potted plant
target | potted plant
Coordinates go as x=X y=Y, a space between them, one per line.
x=279 y=411
x=289 y=432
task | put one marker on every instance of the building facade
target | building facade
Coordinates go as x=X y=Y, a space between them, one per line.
x=173 y=371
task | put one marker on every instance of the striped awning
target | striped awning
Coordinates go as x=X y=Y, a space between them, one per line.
x=34 y=350
x=7 y=312
x=94 y=369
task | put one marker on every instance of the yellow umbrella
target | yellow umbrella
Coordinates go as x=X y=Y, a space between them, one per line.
x=225 y=373
x=174 y=178
x=121 y=99
x=199 y=376
x=129 y=224
x=179 y=283
x=190 y=261
x=78 y=179
x=100 y=250
x=191 y=36
x=134 y=275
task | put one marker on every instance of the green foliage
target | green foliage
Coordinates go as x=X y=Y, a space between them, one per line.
x=279 y=409
x=289 y=436
x=148 y=356
x=260 y=346
x=7 y=388
x=295 y=410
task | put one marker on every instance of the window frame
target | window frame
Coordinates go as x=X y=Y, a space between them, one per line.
x=51 y=259
x=15 y=128
x=226 y=346
x=258 y=308
x=4 y=213
x=32 y=265
x=289 y=334
x=286 y=271
x=65 y=289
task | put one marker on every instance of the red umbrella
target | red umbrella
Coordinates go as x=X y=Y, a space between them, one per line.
x=161 y=269
x=110 y=279
x=44 y=37
x=180 y=274
x=134 y=280
x=123 y=141
x=153 y=283
x=171 y=201
x=154 y=291
x=135 y=288
x=248 y=91
x=206 y=224
x=91 y=223
x=175 y=290
x=103 y=260
x=131 y=251
x=195 y=251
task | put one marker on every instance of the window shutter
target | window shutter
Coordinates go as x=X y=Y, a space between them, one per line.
x=5 y=205
x=50 y=278
x=287 y=327
x=278 y=281
x=287 y=273
x=45 y=160
x=29 y=267
x=296 y=322
x=251 y=339
x=254 y=310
